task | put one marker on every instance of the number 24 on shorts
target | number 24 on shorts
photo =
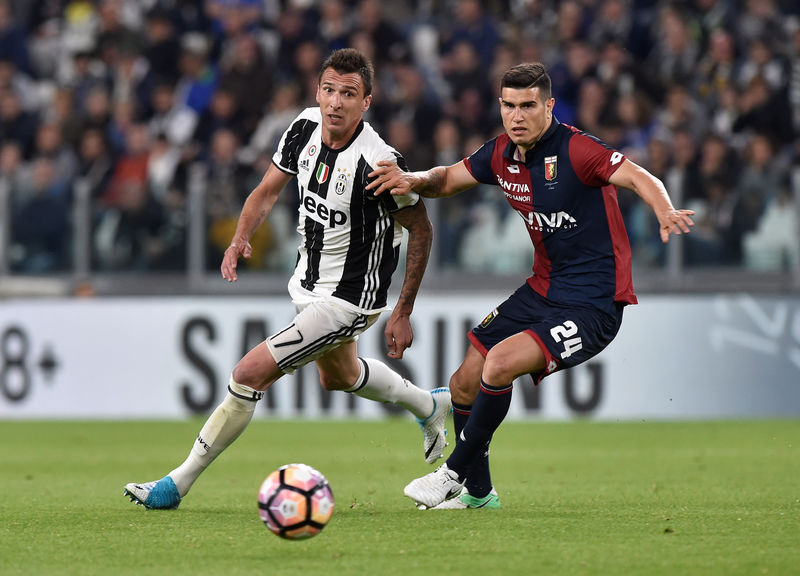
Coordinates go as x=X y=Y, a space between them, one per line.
x=566 y=332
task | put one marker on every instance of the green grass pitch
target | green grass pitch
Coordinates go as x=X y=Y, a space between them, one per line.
x=578 y=498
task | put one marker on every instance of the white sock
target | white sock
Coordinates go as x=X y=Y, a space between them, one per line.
x=228 y=420
x=380 y=383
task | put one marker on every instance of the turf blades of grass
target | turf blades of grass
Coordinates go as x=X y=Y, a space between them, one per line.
x=578 y=498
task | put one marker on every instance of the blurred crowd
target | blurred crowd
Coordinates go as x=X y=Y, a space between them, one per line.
x=127 y=96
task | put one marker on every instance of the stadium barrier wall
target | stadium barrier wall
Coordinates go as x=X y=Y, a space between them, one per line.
x=691 y=357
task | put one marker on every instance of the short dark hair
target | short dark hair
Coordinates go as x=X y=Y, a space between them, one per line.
x=347 y=61
x=528 y=75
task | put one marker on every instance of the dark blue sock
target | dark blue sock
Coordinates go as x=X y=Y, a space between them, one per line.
x=479 y=478
x=490 y=408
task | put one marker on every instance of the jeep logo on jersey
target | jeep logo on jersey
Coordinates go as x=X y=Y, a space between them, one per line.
x=548 y=222
x=550 y=167
x=322 y=172
x=315 y=208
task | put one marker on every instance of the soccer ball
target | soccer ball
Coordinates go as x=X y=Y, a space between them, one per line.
x=295 y=502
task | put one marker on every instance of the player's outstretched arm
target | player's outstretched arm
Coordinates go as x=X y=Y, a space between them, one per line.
x=438 y=182
x=255 y=210
x=399 y=334
x=652 y=190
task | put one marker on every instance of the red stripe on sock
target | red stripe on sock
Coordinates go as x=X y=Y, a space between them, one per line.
x=496 y=391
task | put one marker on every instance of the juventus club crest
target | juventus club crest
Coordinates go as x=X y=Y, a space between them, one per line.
x=550 y=167
x=342 y=177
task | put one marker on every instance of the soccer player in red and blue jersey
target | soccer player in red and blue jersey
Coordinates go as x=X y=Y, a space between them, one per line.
x=563 y=184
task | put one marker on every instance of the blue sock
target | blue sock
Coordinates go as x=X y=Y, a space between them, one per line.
x=479 y=478
x=490 y=408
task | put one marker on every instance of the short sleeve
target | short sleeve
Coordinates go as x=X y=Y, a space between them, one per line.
x=479 y=163
x=593 y=161
x=288 y=152
x=395 y=203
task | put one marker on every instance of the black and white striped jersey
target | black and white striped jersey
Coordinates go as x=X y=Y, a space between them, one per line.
x=350 y=241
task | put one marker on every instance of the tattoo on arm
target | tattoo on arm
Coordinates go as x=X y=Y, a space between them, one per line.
x=258 y=221
x=420 y=238
x=432 y=185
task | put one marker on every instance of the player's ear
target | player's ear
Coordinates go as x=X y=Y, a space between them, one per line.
x=365 y=104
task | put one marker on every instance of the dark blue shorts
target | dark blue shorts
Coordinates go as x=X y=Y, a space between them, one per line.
x=567 y=335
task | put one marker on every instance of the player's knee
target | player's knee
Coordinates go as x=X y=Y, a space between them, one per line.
x=497 y=370
x=463 y=388
x=245 y=375
x=333 y=381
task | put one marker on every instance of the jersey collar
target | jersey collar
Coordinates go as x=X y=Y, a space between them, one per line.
x=510 y=152
x=358 y=130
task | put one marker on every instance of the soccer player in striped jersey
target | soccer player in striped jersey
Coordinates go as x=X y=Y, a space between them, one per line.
x=563 y=184
x=350 y=245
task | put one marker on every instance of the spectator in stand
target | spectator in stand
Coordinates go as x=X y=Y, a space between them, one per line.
x=176 y=121
x=230 y=17
x=50 y=144
x=717 y=176
x=334 y=24
x=15 y=123
x=199 y=75
x=717 y=69
x=577 y=62
x=759 y=19
x=411 y=101
x=762 y=111
x=611 y=23
x=96 y=109
x=13 y=172
x=760 y=183
x=26 y=87
x=228 y=187
x=161 y=47
x=681 y=111
x=248 y=76
x=387 y=40
x=114 y=36
x=592 y=105
x=39 y=228
x=95 y=162
x=124 y=115
x=468 y=80
x=307 y=60
x=130 y=220
x=130 y=168
x=222 y=113
x=294 y=28
x=83 y=74
x=279 y=113
x=675 y=54
x=13 y=40
x=470 y=23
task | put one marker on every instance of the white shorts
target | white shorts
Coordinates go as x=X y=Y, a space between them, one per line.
x=318 y=328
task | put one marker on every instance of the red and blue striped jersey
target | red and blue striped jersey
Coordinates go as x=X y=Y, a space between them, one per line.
x=581 y=251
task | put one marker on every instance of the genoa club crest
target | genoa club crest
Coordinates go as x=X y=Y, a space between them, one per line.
x=550 y=167
x=488 y=320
